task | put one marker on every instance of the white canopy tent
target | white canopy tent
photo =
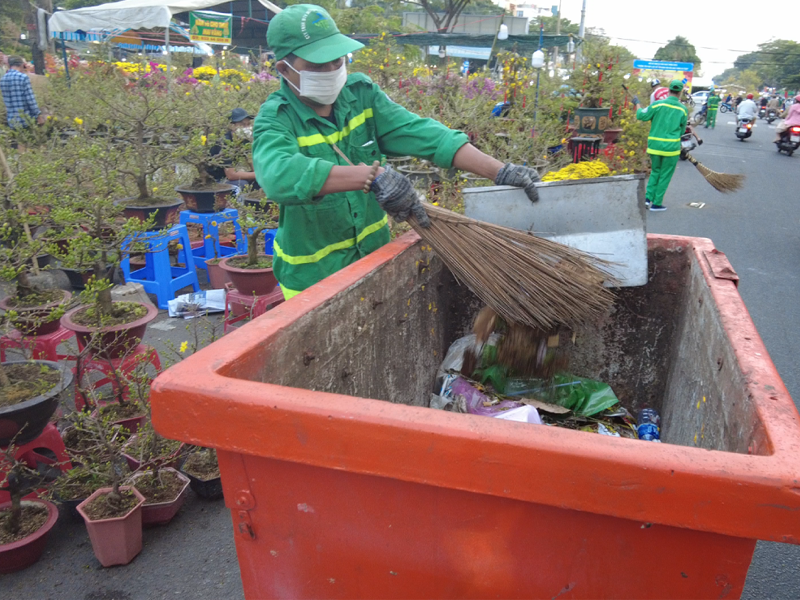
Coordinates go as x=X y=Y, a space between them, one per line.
x=131 y=14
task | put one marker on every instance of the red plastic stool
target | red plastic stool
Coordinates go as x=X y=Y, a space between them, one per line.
x=42 y=347
x=30 y=454
x=239 y=306
x=142 y=354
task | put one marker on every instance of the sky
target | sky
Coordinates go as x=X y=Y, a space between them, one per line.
x=724 y=29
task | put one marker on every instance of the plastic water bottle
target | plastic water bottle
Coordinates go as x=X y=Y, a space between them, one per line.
x=648 y=425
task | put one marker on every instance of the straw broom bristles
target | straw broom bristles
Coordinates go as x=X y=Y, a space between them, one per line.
x=526 y=279
x=722 y=182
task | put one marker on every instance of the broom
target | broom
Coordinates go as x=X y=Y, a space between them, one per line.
x=526 y=280
x=722 y=182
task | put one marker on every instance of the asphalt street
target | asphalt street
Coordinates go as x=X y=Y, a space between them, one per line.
x=759 y=229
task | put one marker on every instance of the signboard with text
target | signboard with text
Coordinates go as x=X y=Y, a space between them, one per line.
x=210 y=28
x=664 y=71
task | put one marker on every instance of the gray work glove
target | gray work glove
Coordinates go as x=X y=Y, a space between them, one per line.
x=519 y=176
x=396 y=195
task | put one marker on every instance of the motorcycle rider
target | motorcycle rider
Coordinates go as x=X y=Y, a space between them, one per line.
x=748 y=109
x=774 y=105
x=659 y=93
x=792 y=118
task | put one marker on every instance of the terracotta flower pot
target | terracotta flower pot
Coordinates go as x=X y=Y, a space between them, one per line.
x=217 y=277
x=250 y=281
x=210 y=200
x=29 y=418
x=611 y=135
x=166 y=213
x=114 y=341
x=161 y=513
x=115 y=541
x=25 y=552
x=34 y=320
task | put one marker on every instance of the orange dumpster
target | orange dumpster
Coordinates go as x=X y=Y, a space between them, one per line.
x=343 y=484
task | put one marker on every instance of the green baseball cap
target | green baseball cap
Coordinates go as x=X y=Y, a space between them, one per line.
x=676 y=85
x=308 y=31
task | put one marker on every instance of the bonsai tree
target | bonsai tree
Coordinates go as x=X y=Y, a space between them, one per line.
x=24 y=239
x=19 y=481
x=254 y=219
x=138 y=119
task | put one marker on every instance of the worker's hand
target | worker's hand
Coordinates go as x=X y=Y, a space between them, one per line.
x=699 y=142
x=636 y=100
x=519 y=176
x=396 y=195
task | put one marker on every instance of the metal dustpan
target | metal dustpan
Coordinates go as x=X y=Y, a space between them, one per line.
x=603 y=216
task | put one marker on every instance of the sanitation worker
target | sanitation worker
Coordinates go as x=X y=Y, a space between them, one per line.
x=668 y=122
x=713 y=106
x=327 y=221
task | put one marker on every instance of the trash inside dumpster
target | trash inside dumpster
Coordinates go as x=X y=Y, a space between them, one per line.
x=343 y=481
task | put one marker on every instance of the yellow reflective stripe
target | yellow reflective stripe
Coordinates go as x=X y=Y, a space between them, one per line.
x=662 y=153
x=288 y=294
x=320 y=254
x=672 y=106
x=663 y=139
x=318 y=138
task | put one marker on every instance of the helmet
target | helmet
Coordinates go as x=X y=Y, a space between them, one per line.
x=654 y=83
x=797 y=98
x=749 y=96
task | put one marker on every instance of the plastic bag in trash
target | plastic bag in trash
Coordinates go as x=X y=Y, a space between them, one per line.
x=478 y=403
x=454 y=359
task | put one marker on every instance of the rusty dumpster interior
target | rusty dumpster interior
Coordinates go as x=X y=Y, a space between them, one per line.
x=662 y=345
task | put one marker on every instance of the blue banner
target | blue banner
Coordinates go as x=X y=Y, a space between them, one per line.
x=662 y=65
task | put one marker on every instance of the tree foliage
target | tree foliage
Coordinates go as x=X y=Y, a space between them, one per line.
x=679 y=49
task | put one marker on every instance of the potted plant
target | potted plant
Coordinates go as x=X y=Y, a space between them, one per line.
x=206 y=114
x=33 y=309
x=24 y=524
x=251 y=273
x=163 y=487
x=113 y=515
x=140 y=137
x=202 y=469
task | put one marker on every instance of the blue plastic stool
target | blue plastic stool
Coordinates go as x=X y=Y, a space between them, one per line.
x=158 y=276
x=210 y=223
x=269 y=240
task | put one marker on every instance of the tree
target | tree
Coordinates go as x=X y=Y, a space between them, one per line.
x=72 y=4
x=777 y=63
x=679 y=50
x=445 y=13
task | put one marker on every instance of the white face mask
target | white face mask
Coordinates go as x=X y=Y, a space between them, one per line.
x=321 y=87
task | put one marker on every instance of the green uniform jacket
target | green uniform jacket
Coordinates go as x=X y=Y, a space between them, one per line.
x=293 y=156
x=713 y=102
x=668 y=122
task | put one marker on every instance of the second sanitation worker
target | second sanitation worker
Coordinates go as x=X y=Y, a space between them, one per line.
x=668 y=120
x=326 y=219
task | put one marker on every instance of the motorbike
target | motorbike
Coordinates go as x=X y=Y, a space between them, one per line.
x=762 y=112
x=700 y=117
x=688 y=143
x=790 y=140
x=744 y=128
x=772 y=114
x=725 y=107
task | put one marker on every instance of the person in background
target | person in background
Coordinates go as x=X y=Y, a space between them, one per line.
x=315 y=144
x=668 y=120
x=728 y=99
x=774 y=105
x=792 y=118
x=737 y=103
x=18 y=96
x=713 y=106
x=241 y=128
x=748 y=109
